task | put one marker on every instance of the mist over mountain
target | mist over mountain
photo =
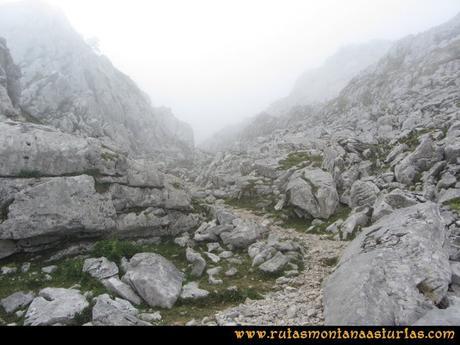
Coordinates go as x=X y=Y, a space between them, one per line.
x=68 y=85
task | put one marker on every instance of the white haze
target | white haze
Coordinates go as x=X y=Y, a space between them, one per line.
x=217 y=62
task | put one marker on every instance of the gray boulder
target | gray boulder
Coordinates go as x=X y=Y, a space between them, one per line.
x=115 y=312
x=197 y=261
x=393 y=273
x=363 y=193
x=16 y=301
x=224 y=217
x=243 y=235
x=155 y=279
x=314 y=192
x=100 y=268
x=117 y=287
x=274 y=265
x=423 y=158
x=55 y=306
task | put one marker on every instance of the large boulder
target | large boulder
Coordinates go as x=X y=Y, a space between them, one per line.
x=155 y=279
x=63 y=206
x=363 y=193
x=314 y=192
x=55 y=306
x=115 y=312
x=423 y=158
x=393 y=273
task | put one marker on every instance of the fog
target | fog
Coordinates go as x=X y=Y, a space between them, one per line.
x=217 y=62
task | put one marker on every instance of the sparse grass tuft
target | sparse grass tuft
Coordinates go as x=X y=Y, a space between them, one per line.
x=454 y=204
x=301 y=159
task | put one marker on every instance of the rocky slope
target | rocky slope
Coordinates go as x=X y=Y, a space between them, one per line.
x=312 y=88
x=378 y=165
x=350 y=210
x=327 y=81
x=67 y=85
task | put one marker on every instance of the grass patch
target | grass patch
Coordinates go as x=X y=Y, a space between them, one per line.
x=115 y=249
x=250 y=283
x=301 y=159
x=454 y=204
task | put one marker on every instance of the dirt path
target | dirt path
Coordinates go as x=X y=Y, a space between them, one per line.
x=296 y=300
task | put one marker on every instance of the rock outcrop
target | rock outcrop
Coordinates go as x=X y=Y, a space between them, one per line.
x=393 y=273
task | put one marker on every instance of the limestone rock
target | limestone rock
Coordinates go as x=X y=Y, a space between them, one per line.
x=393 y=273
x=115 y=312
x=313 y=191
x=155 y=279
x=73 y=202
x=16 y=301
x=100 y=268
x=55 y=306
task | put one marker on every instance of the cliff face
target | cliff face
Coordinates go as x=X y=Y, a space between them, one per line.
x=9 y=83
x=69 y=86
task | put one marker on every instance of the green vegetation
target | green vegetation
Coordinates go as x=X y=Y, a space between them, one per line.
x=115 y=249
x=301 y=159
x=249 y=282
x=454 y=204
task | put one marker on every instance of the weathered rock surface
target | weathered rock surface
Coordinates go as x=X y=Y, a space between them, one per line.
x=363 y=193
x=243 y=235
x=64 y=206
x=117 y=287
x=55 y=306
x=100 y=268
x=155 y=279
x=16 y=301
x=393 y=273
x=314 y=192
x=115 y=312
x=422 y=159
x=441 y=317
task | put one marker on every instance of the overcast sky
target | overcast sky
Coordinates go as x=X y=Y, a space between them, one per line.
x=216 y=62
